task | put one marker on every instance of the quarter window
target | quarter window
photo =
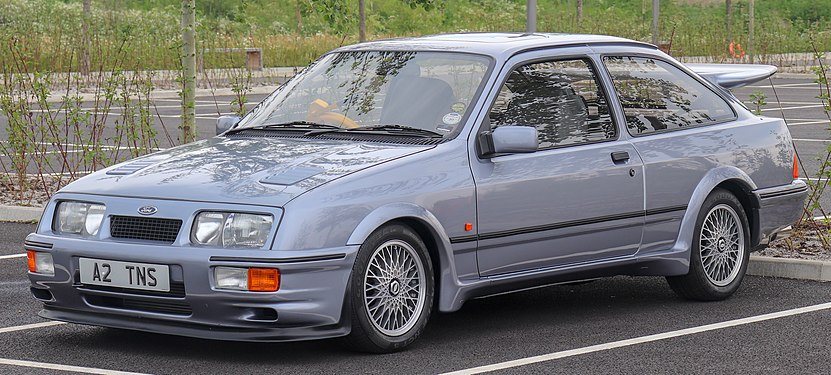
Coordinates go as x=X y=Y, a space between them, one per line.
x=562 y=99
x=657 y=96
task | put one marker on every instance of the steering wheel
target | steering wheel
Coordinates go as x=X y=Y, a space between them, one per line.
x=323 y=112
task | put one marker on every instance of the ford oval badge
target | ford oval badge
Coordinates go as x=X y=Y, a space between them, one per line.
x=147 y=210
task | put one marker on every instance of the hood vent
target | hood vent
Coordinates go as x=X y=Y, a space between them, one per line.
x=135 y=166
x=292 y=176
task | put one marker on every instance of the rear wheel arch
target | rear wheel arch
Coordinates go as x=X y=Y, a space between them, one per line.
x=750 y=204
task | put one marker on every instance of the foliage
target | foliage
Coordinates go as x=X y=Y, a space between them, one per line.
x=759 y=100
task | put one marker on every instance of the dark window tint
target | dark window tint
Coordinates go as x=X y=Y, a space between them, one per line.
x=658 y=96
x=562 y=99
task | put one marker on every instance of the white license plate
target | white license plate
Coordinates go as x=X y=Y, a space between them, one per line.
x=125 y=274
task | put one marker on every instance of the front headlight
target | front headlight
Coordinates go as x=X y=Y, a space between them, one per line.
x=79 y=218
x=231 y=229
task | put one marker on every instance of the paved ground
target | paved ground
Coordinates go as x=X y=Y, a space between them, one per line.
x=486 y=331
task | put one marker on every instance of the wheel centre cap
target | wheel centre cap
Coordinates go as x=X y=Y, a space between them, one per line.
x=722 y=244
x=395 y=287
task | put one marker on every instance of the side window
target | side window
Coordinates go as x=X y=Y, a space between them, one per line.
x=657 y=96
x=562 y=99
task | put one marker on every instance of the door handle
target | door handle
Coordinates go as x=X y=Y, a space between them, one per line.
x=620 y=156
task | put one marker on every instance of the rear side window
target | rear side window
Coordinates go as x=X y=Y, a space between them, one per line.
x=657 y=96
x=562 y=99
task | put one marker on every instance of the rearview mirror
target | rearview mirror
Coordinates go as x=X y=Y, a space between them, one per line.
x=223 y=123
x=509 y=140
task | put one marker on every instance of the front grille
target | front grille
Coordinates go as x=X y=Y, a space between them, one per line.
x=163 y=307
x=145 y=228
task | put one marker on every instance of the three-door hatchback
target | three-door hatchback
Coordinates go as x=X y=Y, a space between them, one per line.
x=395 y=178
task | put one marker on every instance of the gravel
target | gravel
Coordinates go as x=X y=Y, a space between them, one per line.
x=33 y=193
x=809 y=241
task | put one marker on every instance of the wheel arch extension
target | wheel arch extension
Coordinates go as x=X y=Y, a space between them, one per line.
x=430 y=230
x=736 y=182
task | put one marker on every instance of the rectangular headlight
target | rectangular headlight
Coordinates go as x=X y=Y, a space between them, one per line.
x=231 y=229
x=81 y=218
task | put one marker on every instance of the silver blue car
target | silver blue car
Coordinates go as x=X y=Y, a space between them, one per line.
x=393 y=179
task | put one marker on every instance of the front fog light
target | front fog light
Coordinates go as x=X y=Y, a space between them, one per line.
x=79 y=218
x=231 y=278
x=40 y=262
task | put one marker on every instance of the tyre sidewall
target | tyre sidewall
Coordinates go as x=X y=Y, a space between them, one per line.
x=717 y=197
x=361 y=324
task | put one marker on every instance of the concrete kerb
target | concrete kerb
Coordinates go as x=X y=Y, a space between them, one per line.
x=759 y=265
x=788 y=268
x=20 y=213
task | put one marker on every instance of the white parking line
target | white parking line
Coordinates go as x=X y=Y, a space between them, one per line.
x=642 y=339
x=808 y=122
x=812 y=84
x=59 y=367
x=797 y=107
x=29 y=326
x=810 y=140
x=12 y=256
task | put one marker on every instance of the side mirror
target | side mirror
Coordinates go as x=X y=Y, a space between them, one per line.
x=511 y=139
x=223 y=123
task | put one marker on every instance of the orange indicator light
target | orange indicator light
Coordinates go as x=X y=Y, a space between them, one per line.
x=263 y=279
x=30 y=259
x=468 y=227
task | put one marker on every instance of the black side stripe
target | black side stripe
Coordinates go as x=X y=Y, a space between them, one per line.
x=664 y=210
x=783 y=192
x=565 y=224
x=282 y=260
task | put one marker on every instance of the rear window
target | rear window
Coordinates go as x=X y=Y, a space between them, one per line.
x=657 y=96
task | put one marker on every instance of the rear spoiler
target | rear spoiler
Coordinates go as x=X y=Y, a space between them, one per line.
x=731 y=76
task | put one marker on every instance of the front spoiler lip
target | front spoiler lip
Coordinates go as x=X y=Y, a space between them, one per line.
x=196 y=330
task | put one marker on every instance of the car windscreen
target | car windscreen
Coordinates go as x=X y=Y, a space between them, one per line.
x=360 y=89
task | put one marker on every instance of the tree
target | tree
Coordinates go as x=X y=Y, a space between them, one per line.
x=362 y=21
x=580 y=13
x=188 y=71
x=85 y=65
x=298 y=17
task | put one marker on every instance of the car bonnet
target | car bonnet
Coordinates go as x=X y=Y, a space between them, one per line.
x=261 y=171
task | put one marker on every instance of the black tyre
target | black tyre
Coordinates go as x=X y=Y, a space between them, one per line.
x=391 y=291
x=720 y=250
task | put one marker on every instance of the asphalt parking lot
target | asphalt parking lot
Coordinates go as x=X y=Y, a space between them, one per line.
x=621 y=325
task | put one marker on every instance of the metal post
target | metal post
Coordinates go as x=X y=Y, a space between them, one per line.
x=531 y=16
x=750 y=27
x=656 y=12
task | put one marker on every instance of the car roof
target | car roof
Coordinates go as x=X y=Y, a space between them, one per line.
x=493 y=44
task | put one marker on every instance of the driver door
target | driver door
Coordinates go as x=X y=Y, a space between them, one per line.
x=580 y=197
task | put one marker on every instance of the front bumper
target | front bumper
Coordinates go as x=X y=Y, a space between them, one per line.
x=308 y=305
x=780 y=207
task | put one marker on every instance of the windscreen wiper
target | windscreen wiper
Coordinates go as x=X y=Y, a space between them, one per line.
x=393 y=129
x=292 y=125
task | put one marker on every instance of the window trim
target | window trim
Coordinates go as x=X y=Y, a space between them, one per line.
x=705 y=83
x=597 y=77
